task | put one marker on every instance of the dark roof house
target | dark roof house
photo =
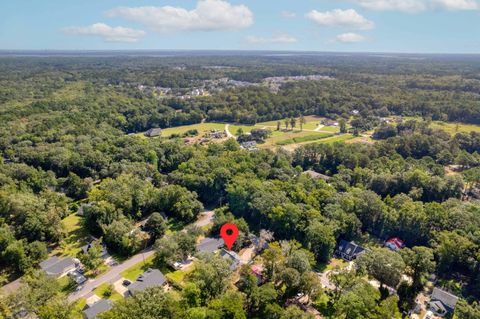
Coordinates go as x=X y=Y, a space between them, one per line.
x=154 y=132
x=150 y=278
x=349 y=250
x=97 y=308
x=442 y=302
x=232 y=257
x=210 y=245
x=57 y=267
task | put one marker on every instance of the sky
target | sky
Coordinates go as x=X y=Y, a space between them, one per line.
x=404 y=26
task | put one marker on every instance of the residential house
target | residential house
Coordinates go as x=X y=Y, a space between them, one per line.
x=149 y=279
x=77 y=277
x=232 y=257
x=57 y=267
x=97 y=308
x=442 y=302
x=87 y=247
x=349 y=250
x=153 y=132
x=250 y=145
x=394 y=244
x=210 y=245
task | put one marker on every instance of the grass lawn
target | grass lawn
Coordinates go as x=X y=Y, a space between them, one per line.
x=201 y=127
x=136 y=270
x=178 y=276
x=454 y=128
x=307 y=138
x=246 y=128
x=333 y=129
x=78 y=307
x=337 y=138
x=76 y=236
x=101 y=292
x=290 y=137
x=66 y=285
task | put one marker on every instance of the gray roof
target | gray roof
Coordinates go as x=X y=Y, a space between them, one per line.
x=150 y=278
x=349 y=249
x=154 y=132
x=55 y=266
x=446 y=298
x=210 y=245
x=97 y=308
x=232 y=257
x=316 y=175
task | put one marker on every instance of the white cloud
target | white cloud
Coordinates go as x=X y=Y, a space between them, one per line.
x=415 y=6
x=209 y=15
x=340 y=18
x=350 y=37
x=108 y=33
x=288 y=14
x=281 y=38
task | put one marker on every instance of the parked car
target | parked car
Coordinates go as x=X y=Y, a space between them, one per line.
x=126 y=283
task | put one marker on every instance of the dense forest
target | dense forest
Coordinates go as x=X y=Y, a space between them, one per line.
x=65 y=142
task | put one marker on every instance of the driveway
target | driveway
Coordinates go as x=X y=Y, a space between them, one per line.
x=206 y=217
x=111 y=276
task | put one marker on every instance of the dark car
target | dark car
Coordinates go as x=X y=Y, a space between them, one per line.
x=126 y=283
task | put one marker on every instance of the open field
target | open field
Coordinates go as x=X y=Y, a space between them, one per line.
x=76 y=236
x=306 y=138
x=201 y=127
x=449 y=127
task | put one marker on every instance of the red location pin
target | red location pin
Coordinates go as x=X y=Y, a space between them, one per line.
x=229 y=233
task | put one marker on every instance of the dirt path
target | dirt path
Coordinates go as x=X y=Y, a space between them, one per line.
x=227 y=131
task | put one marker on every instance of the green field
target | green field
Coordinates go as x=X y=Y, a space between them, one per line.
x=201 y=127
x=306 y=138
x=76 y=236
x=246 y=128
x=337 y=138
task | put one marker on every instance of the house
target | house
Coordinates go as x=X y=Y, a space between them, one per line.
x=257 y=270
x=316 y=175
x=250 y=145
x=232 y=257
x=87 y=247
x=77 y=277
x=97 y=308
x=149 y=279
x=349 y=250
x=394 y=244
x=210 y=245
x=57 y=267
x=153 y=132
x=442 y=302
x=80 y=210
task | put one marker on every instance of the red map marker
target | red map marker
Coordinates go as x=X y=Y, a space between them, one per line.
x=229 y=233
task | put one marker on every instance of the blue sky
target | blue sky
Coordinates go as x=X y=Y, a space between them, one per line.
x=436 y=26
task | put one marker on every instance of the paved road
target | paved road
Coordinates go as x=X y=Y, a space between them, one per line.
x=112 y=275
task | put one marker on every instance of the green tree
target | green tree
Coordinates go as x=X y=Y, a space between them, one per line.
x=321 y=240
x=382 y=264
x=155 y=226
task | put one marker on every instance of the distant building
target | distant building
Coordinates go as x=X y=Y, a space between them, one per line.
x=442 y=302
x=249 y=146
x=153 y=132
x=210 y=245
x=349 y=250
x=316 y=175
x=57 y=267
x=149 y=279
x=394 y=244
x=232 y=257
x=97 y=308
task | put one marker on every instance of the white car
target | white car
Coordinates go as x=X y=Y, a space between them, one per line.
x=428 y=315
